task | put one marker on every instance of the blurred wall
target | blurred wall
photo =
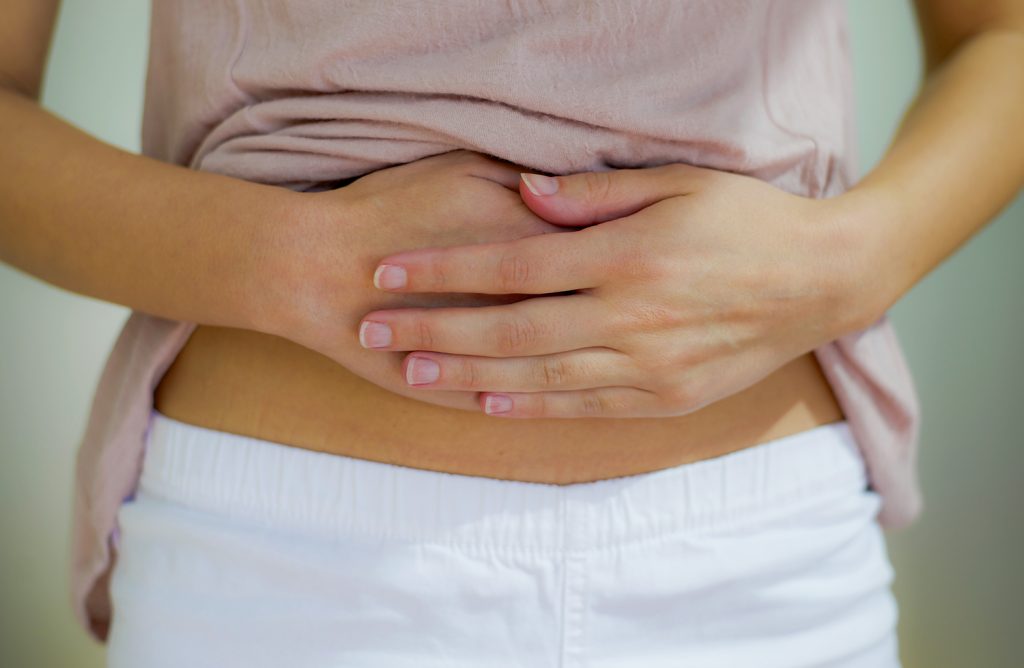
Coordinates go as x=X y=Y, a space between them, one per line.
x=958 y=569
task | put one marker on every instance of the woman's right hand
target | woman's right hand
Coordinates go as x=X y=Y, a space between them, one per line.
x=321 y=280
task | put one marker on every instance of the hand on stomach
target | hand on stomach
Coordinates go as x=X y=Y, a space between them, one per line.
x=306 y=382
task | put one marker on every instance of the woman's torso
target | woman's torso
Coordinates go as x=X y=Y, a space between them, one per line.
x=558 y=87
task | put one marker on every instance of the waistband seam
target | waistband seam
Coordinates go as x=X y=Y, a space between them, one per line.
x=728 y=519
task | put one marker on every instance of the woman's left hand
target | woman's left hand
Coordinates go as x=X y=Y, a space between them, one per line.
x=683 y=286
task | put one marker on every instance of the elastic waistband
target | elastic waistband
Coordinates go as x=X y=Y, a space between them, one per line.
x=294 y=489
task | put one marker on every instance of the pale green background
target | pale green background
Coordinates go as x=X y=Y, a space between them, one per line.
x=959 y=578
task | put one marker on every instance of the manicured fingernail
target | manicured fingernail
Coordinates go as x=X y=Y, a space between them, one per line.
x=374 y=334
x=389 y=277
x=421 y=370
x=540 y=185
x=497 y=403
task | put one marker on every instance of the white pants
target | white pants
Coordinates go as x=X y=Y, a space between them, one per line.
x=242 y=552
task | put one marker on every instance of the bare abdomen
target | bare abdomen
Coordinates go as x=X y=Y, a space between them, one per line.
x=268 y=387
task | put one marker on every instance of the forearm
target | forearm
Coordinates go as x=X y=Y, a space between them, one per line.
x=956 y=160
x=88 y=217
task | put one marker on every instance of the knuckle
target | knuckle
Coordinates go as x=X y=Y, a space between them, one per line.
x=424 y=333
x=598 y=185
x=593 y=403
x=515 y=336
x=470 y=376
x=513 y=272
x=554 y=373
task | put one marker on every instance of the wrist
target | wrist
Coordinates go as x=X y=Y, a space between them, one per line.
x=861 y=256
x=307 y=278
x=272 y=282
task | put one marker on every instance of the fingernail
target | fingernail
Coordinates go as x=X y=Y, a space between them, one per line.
x=421 y=370
x=497 y=403
x=540 y=185
x=374 y=334
x=389 y=276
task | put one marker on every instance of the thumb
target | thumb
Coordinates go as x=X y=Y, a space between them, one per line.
x=593 y=197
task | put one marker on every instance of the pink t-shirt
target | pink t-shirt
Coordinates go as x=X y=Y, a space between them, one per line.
x=304 y=95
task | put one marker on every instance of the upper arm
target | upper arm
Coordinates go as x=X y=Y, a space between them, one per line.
x=25 y=34
x=945 y=24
